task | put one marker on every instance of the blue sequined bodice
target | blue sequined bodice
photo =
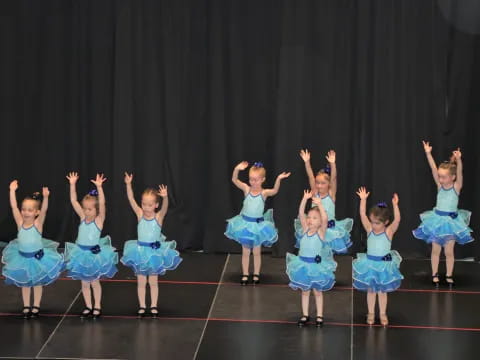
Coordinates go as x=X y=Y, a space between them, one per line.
x=378 y=244
x=149 y=230
x=328 y=205
x=88 y=234
x=29 y=239
x=311 y=245
x=253 y=206
x=447 y=199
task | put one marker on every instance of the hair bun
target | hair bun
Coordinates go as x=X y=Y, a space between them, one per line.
x=36 y=196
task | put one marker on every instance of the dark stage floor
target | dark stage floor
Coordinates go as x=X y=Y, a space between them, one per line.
x=206 y=314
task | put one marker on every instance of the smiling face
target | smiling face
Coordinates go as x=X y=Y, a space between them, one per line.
x=30 y=210
x=322 y=183
x=314 y=220
x=149 y=204
x=256 y=177
x=89 y=207
x=445 y=177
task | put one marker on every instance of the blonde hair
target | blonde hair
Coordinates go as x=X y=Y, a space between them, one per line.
x=151 y=191
x=258 y=169
x=450 y=165
x=89 y=197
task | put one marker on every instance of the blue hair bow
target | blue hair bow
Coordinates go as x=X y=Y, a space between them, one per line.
x=327 y=170
x=382 y=205
x=258 y=164
x=93 y=192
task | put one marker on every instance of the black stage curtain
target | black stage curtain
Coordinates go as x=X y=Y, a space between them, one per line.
x=178 y=92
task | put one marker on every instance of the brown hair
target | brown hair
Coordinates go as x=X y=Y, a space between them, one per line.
x=382 y=213
x=36 y=197
x=151 y=191
x=450 y=165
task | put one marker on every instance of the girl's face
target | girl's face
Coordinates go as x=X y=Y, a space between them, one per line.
x=322 y=184
x=149 y=204
x=314 y=221
x=378 y=226
x=89 y=209
x=445 y=178
x=255 y=179
x=29 y=210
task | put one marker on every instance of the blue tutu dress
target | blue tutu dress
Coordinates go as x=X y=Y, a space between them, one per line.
x=314 y=266
x=378 y=269
x=150 y=254
x=30 y=260
x=90 y=257
x=445 y=222
x=252 y=228
x=337 y=235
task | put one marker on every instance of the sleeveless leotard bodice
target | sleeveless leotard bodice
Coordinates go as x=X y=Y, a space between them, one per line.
x=253 y=206
x=149 y=230
x=310 y=245
x=29 y=239
x=88 y=234
x=447 y=200
x=378 y=244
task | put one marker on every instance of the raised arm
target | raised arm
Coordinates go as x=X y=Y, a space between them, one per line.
x=307 y=194
x=431 y=162
x=331 y=158
x=305 y=155
x=163 y=192
x=363 y=195
x=13 y=203
x=323 y=216
x=240 y=184
x=457 y=155
x=99 y=180
x=131 y=199
x=72 y=179
x=43 y=209
x=271 y=192
x=393 y=227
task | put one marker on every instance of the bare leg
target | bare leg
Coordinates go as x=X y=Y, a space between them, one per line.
x=382 y=304
x=371 y=300
x=319 y=302
x=450 y=259
x=257 y=259
x=435 y=259
x=26 y=291
x=305 y=302
x=37 y=295
x=87 y=294
x=141 y=290
x=153 y=283
x=97 y=293
x=245 y=262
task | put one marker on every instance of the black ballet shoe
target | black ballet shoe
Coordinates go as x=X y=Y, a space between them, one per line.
x=26 y=312
x=436 y=280
x=154 y=312
x=141 y=312
x=97 y=313
x=256 y=279
x=35 y=314
x=450 y=282
x=303 y=320
x=86 y=313
x=244 y=280
x=319 y=321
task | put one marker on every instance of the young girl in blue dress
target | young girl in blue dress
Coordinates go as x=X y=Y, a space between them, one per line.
x=90 y=258
x=150 y=255
x=377 y=272
x=324 y=186
x=31 y=261
x=445 y=225
x=253 y=228
x=313 y=268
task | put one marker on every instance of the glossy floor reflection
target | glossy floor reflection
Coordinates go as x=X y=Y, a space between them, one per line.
x=206 y=314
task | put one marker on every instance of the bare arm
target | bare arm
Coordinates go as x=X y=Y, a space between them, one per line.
x=323 y=217
x=73 y=178
x=301 y=209
x=240 y=184
x=162 y=191
x=100 y=219
x=271 y=192
x=459 y=180
x=13 y=203
x=431 y=162
x=331 y=158
x=305 y=154
x=363 y=194
x=131 y=199
x=43 y=210
x=393 y=227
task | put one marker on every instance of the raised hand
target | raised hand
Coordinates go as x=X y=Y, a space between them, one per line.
x=72 y=177
x=99 y=180
x=457 y=154
x=14 y=185
x=305 y=155
x=283 y=175
x=395 y=199
x=242 y=166
x=362 y=193
x=331 y=157
x=427 y=147
x=307 y=194
x=128 y=178
x=45 y=192
x=317 y=201
x=162 y=191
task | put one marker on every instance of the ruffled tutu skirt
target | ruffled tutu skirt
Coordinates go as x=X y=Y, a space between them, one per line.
x=377 y=275
x=311 y=275
x=337 y=236
x=442 y=228
x=91 y=263
x=252 y=234
x=151 y=260
x=41 y=268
